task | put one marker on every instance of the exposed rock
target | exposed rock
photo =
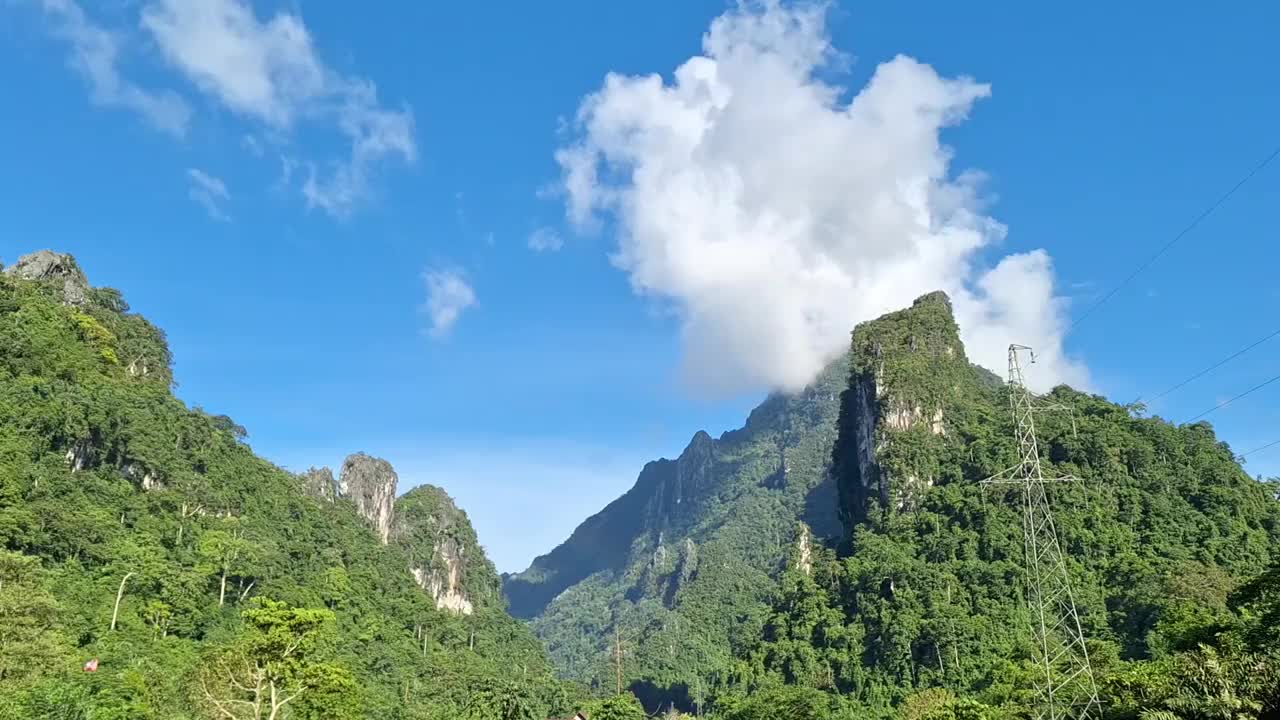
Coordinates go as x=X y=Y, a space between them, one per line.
x=80 y=455
x=319 y=484
x=804 y=550
x=688 y=561
x=444 y=555
x=62 y=270
x=444 y=580
x=692 y=476
x=370 y=483
x=139 y=367
x=146 y=479
x=904 y=365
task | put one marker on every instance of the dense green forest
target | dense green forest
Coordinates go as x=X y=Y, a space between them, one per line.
x=837 y=557
x=205 y=582
x=916 y=607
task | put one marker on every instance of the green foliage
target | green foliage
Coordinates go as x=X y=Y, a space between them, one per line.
x=926 y=591
x=927 y=594
x=618 y=707
x=109 y=484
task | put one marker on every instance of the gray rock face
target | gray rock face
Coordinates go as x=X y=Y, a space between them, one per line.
x=49 y=265
x=443 y=579
x=319 y=484
x=370 y=483
x=444 y=554
x=693 y=474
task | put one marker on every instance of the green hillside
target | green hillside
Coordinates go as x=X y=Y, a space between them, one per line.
x=204 y=580
x=920 y=588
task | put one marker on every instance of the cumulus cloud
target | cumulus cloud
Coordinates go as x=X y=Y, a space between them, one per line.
x=448 y=295
x=545 y=239
x=95 y=54
x=774 y=215
x=269 y=71
x=209 y=192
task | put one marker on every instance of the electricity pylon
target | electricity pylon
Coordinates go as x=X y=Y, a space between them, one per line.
x=1067 y=690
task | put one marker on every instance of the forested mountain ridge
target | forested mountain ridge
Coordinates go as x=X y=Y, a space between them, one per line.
x=682 y=562
x=143 y=540
x=925 y=592
x=921 y=590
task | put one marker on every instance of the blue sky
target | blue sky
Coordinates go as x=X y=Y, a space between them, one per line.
x=361 y=230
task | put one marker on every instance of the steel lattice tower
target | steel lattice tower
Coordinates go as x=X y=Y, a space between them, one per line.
x=1067 y=690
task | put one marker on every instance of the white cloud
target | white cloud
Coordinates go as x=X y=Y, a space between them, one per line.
x=545 y=240
x=95 y=54
x=775 y=216
x=448 y=295
x=210 y=192
x=269 y=71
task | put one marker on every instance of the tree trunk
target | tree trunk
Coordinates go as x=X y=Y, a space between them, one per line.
x=119 y=594
x=222 y=591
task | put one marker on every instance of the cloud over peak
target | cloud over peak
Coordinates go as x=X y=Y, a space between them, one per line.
x=774 y=216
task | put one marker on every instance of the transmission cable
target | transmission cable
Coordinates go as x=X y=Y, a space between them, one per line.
x=1183 y=233
x=1260 y=449
x=1225 y=403
x=1211 y=368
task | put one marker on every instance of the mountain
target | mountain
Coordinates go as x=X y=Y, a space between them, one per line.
x=152 y=566
x=693 y=545
x=842 y=541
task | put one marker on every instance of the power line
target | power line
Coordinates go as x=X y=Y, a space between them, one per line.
x=1191 y=226
x=1213 y=367
x=1260 y=449
x=1225 y=403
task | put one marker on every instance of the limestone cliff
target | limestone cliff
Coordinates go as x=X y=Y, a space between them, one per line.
x=904 y=368
x=370 y=483
x=319 y=484
x=445 y=556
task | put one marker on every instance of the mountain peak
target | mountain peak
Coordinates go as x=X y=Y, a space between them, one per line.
x=445 y=556
x=370 y=483
x=47 y=265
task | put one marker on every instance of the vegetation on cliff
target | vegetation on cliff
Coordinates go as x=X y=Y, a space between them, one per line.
x=146 y=538
x=921 y=595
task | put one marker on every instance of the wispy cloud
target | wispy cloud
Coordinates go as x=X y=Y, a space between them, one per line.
x=269 y=71
x=266 y=71
x=95 y=54
x=448 y=295
x=545 y=240
x=210 y=192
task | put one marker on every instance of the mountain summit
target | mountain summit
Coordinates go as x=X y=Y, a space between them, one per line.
x=842 y=539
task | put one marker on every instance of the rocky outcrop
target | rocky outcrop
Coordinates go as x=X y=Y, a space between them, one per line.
x=59 y=270
x=905 y=367
x=804 y=550
x=370 y=483
x=692 y=476
x=146 y=479
x=442 y=577
x=80 y=455
x=319 y=484
x=445 y=557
